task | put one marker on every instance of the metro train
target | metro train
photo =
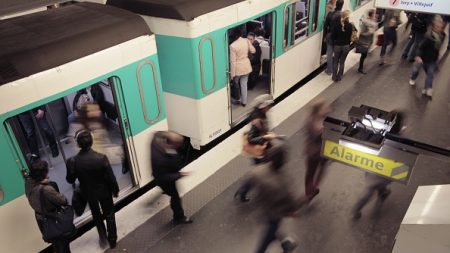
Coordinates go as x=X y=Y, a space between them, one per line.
x=166 y=68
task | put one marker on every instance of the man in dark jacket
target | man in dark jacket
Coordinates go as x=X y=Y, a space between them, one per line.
x=428 y=55
x=98 y=185
x=37 y=183
x=331 y=20
x=166 y=165
x=37 y=116
x=418 y=29
x=391 y=22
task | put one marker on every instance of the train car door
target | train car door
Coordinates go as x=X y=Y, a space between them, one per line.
x=47 y=132
x=260 y=31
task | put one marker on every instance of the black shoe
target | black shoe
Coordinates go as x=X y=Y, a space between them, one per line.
x=288 y=245
x=242 y=198
x=243 y=105
x=184 y=220
x=55 y=152
x=103 y=243
x=112 y=244
x=357 y=215
x=362 y=71
x=384 y=194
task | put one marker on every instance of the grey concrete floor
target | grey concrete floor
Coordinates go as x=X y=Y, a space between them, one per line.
x=224 y=225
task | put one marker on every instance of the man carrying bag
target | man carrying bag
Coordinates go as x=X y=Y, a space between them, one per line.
x=53 y=215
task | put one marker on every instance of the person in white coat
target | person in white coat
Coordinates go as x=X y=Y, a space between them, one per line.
x=240 y=66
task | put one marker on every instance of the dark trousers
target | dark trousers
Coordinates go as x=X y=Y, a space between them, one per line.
x=30 y=132
x=361 y=61
x=413 y=43
x=269 y=235
x=379 y=186
x=390 y=36
x=61 y=246
x=315 y=166
x=175 y=201
x=340 y=55
x=107 y=205
x=246 y=186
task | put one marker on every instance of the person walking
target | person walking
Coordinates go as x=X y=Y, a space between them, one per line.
x=315 y=164
x=274 y=197
x=240 y=66
x=332 y=19
x=342 y=37
x=98 y=186
x=428 y=55
x=368 y=28
x=391 y=22
x=374 y=184
x=257 y=135
x=166 y=165
x=419 y=27
x=37 y=183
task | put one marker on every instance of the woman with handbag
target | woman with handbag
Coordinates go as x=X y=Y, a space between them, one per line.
x=46 y=201
x=368 y=28
x=342 y=37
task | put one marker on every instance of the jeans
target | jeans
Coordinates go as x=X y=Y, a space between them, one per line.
x=411 y=48
x=107 y=207
x=390 y=36
x=269 y=236
x=330 y=49
x=242 y=81
x=175 y=201
x=30 y=131
x=340 y=54
x=430 y=68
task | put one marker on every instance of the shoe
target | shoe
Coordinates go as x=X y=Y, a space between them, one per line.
x=112 y=244
x=357 y=215
x=381 y=63
x=288 y=244
x=362 y=71
x=55 y=152
x=184 y=220
x=242 y=198
x=411 y=60
x=316 y=191
x=412 y=82
x=424 y=92
x=429 y=92
x=384 y=195
x=243 y=105
x=103 y=243
x=328 y=73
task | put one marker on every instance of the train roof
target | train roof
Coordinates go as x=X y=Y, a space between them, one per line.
x=185 y=10
x=44 y=40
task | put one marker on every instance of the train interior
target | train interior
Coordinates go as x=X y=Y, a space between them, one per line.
x=259 y=81
x=49 y=132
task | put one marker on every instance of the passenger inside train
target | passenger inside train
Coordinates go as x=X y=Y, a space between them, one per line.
x=47 y=132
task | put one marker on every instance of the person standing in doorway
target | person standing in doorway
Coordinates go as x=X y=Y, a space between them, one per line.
x=332 y=19
x=166 y=165
x=98 y=186
x=342 y=37
x=240 y=66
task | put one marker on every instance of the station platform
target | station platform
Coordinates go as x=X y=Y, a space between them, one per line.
x=222 y=224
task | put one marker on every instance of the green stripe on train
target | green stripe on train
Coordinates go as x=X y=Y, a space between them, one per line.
x=11 y=180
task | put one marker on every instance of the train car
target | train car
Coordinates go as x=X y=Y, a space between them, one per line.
x=46 y=58
x=193 y=46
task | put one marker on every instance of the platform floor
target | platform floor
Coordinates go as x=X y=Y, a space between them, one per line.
x=222 y=224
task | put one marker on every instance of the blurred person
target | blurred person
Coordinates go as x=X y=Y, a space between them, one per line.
x=342 y=37
x=38 y=114
x=258 y=135
x=419 y=27
x=315 y=164
x=98 y=186
x=81 y=98
x=332 y=19
x=428 y=55
x=391 y=22
x=240 y=66
x=368 y=27
x=274 y=196
x=331 y=5
x=166 y=164
x=37 y=183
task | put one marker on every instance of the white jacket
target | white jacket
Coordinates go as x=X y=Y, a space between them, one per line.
x=239 y=61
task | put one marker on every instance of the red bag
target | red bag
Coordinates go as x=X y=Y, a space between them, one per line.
x=380 y=39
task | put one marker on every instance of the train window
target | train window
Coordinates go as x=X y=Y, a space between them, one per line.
x=358 y=3
x=47 y=132
x=296 y=22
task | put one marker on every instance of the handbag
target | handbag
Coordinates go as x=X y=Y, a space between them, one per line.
x=252 y=150
x=58 y=224
x=78 y=201
x=380 y=39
